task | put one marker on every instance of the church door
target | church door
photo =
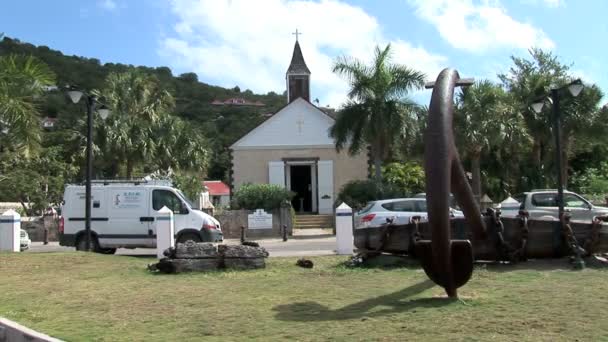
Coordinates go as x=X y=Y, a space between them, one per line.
x=302 y=185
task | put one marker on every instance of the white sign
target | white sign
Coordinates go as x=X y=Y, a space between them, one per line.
x=127 y=199
x=259 y=220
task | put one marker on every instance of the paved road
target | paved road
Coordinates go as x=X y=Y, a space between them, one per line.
x=297 y=246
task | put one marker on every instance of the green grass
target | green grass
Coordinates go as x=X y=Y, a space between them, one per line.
x=88 y=297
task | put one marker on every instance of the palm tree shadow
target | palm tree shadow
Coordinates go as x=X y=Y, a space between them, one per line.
x=394 y=302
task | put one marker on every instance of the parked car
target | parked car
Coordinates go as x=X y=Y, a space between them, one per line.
x=399 y=210
x=542 y=205
x=25 y=241
x=124 y=214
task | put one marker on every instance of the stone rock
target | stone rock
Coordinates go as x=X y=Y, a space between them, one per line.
x=305 y=263
x=244 y=263
x=193 y=250
x=240 y=251
x=186 y=265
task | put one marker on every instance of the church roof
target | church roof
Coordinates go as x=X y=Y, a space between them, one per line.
x=297 y=65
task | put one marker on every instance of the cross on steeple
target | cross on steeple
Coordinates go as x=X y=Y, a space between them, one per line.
x=297 y=33
x=300 y=123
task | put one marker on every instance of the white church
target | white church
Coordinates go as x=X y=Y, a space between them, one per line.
x=292 y=148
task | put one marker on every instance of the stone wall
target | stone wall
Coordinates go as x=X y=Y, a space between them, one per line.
x=233 y=220
x=34 y=226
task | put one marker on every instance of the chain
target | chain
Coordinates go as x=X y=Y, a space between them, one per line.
x=593 y=239
x=519 y=254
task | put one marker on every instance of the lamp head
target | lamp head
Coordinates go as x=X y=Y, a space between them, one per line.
x=576 y=87
x=74 y=94
x=103 y=111
x=537 y=107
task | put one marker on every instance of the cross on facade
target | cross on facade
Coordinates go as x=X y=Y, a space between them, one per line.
x=300 y=123
x=297 y=33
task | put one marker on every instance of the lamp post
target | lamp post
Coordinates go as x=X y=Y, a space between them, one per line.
x=103 y=111
x=575 y=87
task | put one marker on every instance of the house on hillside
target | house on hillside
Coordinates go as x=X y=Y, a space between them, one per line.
x=237 y=101
x=292 y=148
x=48 y=123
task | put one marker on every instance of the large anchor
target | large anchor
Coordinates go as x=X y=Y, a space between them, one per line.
x=447 y=262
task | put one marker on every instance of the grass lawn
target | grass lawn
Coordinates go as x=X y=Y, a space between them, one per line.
x=88 y=297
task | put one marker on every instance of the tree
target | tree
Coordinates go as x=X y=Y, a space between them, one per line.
x=527 y=80
x=378 y=106
x=37 y=181
x=137 y=101
x=23 y=80
x=479 y=124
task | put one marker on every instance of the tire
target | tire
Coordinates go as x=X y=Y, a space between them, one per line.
x=107 y=250
x=82 y=242
x=189 y=236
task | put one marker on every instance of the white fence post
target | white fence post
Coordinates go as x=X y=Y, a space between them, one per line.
x=165 y=231
x=344 y=229
x=10 y=231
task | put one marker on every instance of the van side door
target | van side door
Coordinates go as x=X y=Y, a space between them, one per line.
x=128 y=226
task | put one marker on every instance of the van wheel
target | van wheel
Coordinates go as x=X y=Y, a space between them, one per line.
x=189 y=236
x=81 y=244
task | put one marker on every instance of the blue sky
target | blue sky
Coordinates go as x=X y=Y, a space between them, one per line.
x=249 y=43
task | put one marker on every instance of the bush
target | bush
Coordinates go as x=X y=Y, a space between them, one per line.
x=260 y=196
x=357 y=193
x=409 y=177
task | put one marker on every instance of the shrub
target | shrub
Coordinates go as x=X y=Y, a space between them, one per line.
x=357 y=193
x=260 y=196
x=409 y=177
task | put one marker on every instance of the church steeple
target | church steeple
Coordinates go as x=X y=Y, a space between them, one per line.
x=297 y=76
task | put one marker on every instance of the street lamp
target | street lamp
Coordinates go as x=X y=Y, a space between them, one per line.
x=574 y=88
x=103 y=111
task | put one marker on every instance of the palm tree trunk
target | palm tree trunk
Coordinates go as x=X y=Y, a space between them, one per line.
x=536 y=162
x=564 y=152
x=377 y=168
x=129 y=168
x=476 y=170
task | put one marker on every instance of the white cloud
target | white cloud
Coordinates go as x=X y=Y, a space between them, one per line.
x=108 y=5
x=479 y=26
x=547 y=3
x=249 y=43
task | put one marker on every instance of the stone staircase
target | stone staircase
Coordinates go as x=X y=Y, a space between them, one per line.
x=314 y=222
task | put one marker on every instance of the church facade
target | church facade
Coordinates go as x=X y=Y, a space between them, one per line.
x=293 y=149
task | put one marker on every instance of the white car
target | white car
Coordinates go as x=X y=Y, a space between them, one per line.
x=398 y=210
x=542 y=205
x=24 y=241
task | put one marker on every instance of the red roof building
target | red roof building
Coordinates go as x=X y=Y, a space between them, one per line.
x=217 y=188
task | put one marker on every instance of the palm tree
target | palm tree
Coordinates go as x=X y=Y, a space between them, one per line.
x=138 y=101
x=23 y=80
x=378 y=106
x=479 y=124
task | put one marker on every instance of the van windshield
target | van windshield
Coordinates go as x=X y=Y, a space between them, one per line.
x=185 y=198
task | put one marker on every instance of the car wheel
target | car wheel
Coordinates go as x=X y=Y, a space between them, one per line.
x=81 y=244
x=189 y=236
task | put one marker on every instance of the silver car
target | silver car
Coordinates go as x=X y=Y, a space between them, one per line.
x=397 y=210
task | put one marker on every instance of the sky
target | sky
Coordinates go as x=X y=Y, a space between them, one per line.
x=249 y=42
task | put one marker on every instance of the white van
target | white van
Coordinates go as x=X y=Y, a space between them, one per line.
x=123 y=215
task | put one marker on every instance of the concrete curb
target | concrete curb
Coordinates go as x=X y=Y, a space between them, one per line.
x=14 y=332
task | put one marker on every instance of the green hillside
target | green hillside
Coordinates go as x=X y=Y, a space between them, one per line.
x=221 y=125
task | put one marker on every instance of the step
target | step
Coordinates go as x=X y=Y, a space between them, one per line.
x=314 y=222
x=307 y=226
